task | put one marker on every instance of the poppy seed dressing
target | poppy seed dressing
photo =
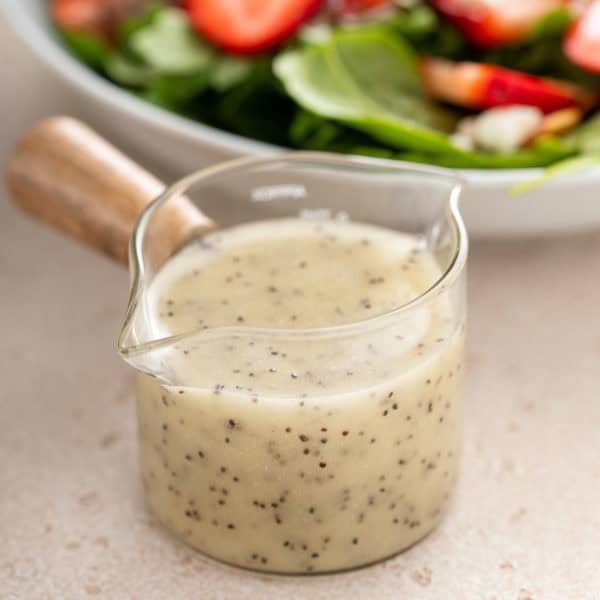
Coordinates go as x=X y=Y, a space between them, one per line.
x=271 y=441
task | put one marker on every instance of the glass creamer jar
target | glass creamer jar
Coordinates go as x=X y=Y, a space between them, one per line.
x=299 y=366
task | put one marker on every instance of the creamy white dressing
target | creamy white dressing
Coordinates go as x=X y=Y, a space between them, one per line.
x=301 y=454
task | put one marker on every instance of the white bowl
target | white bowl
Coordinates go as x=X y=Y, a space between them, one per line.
x=181 y=145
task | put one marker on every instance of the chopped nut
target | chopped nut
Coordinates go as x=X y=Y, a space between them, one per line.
x=561 y=121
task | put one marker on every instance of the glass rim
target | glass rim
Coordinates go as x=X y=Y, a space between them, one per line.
x=319 y=159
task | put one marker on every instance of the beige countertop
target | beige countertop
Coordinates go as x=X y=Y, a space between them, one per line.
x=525 y=522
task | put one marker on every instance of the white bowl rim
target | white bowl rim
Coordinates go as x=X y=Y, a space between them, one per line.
x=82 y=77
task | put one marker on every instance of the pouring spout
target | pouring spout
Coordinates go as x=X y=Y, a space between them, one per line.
x=411 y=202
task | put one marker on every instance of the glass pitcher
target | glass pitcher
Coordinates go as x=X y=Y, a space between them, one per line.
x=304 y=450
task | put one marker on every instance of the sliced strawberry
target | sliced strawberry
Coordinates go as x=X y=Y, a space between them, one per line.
x=489 y=23
x=249 y=26
x=481 y=86
x=582 y=41
x=82 y=15
x=95 y=16
x=344 y=7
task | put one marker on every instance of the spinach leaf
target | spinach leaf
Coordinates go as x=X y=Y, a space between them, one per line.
x=175 y=92
x=311 y=132
x=133 y=24
x=542 y=154
x=423 y=29
x=88 y=48
x=257 y=107
x=129 y=72
x=552 y=25
x=586 y=138
x=368 y=79
x=227 y=71
x=169 y=45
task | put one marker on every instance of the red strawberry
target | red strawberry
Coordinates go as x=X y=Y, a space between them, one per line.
x=488 y=24
x=582 y=41
x=95 y=16
x=83 y=15
x=344 y=7
x=249 y=26
x=481 y=86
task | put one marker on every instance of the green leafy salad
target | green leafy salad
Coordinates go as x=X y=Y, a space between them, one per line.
x=457 y=83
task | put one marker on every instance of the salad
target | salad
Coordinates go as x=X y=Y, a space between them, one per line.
x=458 y=83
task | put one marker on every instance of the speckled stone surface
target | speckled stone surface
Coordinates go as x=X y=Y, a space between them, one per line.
x=525 y=522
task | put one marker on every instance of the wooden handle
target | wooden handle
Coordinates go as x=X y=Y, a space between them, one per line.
x=65 y=174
